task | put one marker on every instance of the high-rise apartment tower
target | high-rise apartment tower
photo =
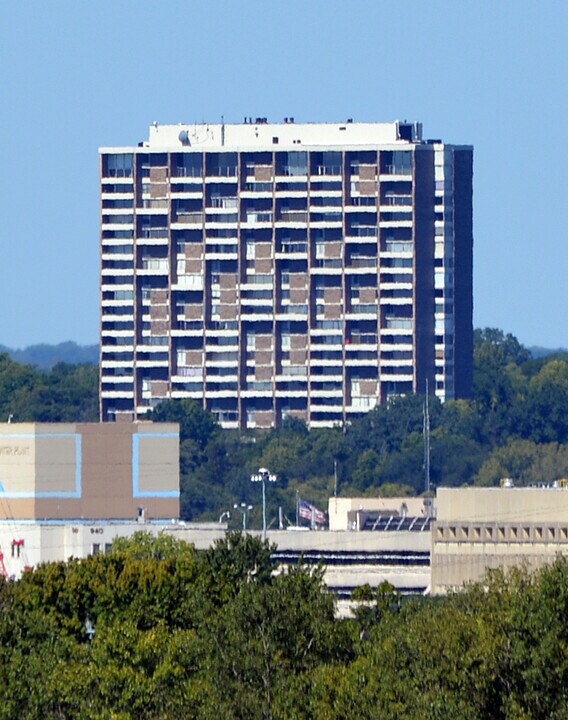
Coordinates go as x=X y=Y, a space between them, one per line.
x=268 y=270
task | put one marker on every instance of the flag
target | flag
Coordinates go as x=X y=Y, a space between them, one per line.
x=310 y=512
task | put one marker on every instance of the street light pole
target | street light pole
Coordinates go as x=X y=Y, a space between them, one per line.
x=244 y=509
x=263 y=476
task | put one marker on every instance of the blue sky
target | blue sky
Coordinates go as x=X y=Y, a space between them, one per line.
x=77 y=75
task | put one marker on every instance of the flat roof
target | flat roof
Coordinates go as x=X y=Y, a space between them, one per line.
x=274 y=136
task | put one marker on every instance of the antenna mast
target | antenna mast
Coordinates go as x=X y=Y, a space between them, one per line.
x=427 y=447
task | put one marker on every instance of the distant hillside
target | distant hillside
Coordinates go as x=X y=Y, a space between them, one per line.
x=538 y=352
x=46 y=356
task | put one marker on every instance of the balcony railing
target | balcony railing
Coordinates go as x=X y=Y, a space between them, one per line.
x=153 y=233
x=327 y=263
x=364 y=200
x=189 y=217
x=258 y=217
x=395 y=323
x=328 y=170
x=299 y=216
x=229 y=171
x=396 y=200
x=258 y=187
x=223 y=202
x=363 y=309
x=194 y=172
x=290 y=171
x=397 y=170
x=362 y=231
x=362 y=262
x=155 y=264
x=300 y=247
x=368 y=339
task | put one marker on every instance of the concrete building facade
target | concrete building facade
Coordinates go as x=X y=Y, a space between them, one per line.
x=477 y=529
x=268 y=270
x=84 y=471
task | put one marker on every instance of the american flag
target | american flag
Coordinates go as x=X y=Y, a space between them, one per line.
x=309 y=512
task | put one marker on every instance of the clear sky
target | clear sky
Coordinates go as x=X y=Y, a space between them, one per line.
x=77 y=75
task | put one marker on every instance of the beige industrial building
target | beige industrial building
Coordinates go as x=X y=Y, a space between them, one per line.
x=70 y=471
x=27 y=544
x=69 y=514
x=365 y=512
x=481 y=528
x=69 y=490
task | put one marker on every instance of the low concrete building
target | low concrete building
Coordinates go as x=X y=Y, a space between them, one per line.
x=360 y=513
x=352 y=559
x=481 y=528
x=349 y=559
x=27 y=544
x=57 y=479
x=59 y=471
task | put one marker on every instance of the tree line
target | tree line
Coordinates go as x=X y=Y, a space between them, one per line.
x=156 y=630
x=515 y=425
x=65 y=393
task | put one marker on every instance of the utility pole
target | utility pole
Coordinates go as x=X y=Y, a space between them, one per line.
x=427 y=450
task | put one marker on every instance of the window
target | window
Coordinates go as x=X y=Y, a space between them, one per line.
x=326 y=163
x=124 y=187
x=187 y=164
x=118 y=203
x=292 y=163
x=119 y=165
x=114 y=234
x=221 y=164
x=396 y=162
x=118 y=219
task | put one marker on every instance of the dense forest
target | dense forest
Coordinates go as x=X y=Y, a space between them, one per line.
x=515 y=425
x=156 y=630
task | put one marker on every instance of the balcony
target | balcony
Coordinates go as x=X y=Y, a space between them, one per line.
x=334 y=264
x=291 y=248
x=298 y=171
x=257 y=188
x=362 y=261
x=216 y=173
x=293 y=216
x=223 y=202
x=396 y=200
x=398 y=323
x=195 y=173
x=363 y=339
x=398 y=170
x=189 y=218
x=363 y=201
x=327 y=170
x=362 y=231
x=258 y=217
x=153 y=233
x=154 y=266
